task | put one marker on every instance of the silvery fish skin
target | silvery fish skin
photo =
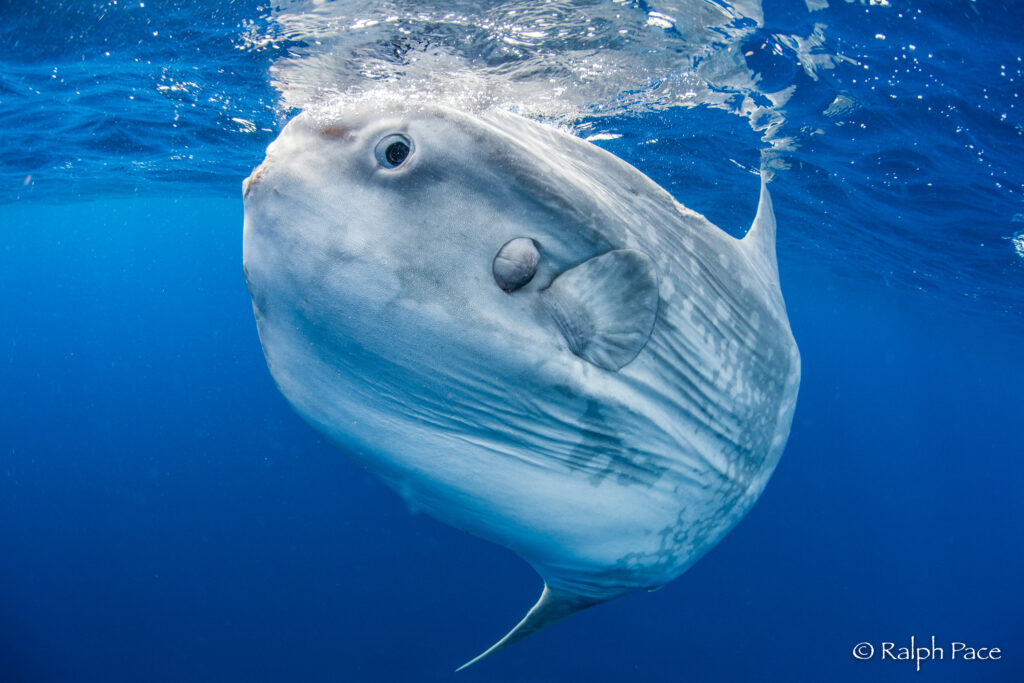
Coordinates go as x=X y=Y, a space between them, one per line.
x=524 y=336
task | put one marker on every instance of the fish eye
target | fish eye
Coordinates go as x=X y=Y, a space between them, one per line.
x=515 y=264
x=393 y=150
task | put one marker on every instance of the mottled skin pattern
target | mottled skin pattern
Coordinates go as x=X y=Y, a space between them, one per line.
x=383 y=326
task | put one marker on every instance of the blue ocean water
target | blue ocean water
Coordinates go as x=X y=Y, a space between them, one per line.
x=164 y=516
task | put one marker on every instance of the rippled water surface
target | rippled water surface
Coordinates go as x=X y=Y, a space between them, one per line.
x=898 y=126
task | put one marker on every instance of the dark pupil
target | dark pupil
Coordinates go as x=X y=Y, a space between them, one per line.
x=396 y=152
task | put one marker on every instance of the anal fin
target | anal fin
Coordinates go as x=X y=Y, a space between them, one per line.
x=553 y=605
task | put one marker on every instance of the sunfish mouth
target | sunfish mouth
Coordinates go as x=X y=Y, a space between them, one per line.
x=253 y=178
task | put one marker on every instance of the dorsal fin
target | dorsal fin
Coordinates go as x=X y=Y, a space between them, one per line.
x=554 y=605
x=760 y=239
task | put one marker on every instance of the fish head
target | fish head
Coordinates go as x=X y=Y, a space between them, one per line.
x=422 y=238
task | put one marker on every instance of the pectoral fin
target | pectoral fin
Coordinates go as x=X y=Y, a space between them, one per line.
x=606 y=306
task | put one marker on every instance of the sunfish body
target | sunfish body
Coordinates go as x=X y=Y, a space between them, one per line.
x=524 y=336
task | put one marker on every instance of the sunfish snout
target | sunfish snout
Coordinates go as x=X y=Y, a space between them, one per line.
x=252 y=179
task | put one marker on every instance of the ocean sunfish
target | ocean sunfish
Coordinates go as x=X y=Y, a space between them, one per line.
x=524 y=336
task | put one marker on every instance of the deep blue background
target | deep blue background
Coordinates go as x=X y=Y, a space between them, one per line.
x=164 y=516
